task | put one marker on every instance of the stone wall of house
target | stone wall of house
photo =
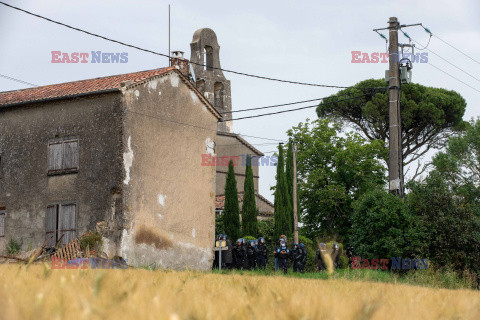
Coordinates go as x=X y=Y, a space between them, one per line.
x=26 y=189
x=168 y=195
x=229 y=146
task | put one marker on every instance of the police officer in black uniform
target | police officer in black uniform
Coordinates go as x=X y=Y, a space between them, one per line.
x=239 y=255
x=296 y=257
x=261 y=254
x=251 y=255
x=303 y=262
x=283 y=254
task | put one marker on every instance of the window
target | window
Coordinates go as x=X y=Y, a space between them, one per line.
x=209 y=58
x=60 y=222
x=2 y=221
x=63 y=156
x=218 y=95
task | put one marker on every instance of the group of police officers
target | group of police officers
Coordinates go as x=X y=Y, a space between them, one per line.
x=253 y=254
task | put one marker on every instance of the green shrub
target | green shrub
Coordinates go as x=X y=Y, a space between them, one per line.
x=384 y=228
x=248 y=238
x=90 y=240
x=13 y=246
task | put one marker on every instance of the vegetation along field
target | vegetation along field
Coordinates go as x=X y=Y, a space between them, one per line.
x=38 y=292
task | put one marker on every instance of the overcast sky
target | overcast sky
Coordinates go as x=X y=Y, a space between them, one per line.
x=308 y=41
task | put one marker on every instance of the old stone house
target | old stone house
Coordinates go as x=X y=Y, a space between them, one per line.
x=120 y=152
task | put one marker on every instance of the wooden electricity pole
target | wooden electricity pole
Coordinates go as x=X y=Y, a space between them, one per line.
x=395 y=161
x=295 y=216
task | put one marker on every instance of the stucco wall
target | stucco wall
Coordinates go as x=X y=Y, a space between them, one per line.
x=229 y=146
x=26 y=190
x=168 y=195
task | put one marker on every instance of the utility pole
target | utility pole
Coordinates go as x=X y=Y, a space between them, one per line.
x=169 y=57
x=395 y=160
x=295 y=216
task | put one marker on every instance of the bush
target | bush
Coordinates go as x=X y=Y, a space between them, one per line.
x=453 y=237
x=248 y=238
x=90 y=241
x=384 y=228
x=13 y=247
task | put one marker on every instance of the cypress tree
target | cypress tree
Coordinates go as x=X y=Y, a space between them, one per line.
x=289 y=175
x=281 y=200
x=231 y=219
x=249 y=208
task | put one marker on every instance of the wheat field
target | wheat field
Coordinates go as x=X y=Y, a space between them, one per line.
x=38 y=292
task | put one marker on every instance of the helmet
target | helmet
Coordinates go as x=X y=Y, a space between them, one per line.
x=239 y=241
x=224 y=237
x=322 y=245
x=251 y=243
x=295 y=244
x=244 y=241
x=302 y=245
x=335 y=246
x=261 y=240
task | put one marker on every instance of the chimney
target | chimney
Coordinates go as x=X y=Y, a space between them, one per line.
x=178 y=61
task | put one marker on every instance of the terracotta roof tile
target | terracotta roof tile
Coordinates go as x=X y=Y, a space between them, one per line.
x=77 y=87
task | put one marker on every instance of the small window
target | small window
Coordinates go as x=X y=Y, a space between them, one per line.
x=2 y=221
x=60 y=222
x=1 y=166
x=208 y=58
x=63 y=156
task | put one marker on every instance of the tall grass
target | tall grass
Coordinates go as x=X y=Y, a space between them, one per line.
x=39 y=292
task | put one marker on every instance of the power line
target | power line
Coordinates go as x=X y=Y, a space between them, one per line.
x=274 y=106
x=291 y=110
x=448 y=74
x=297 y=102
x=198 y=127
x=18 y=80
x=430 y=50
x=166 y=55
x=450 y=45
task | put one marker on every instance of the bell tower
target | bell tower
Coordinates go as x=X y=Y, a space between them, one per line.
x=209 y=79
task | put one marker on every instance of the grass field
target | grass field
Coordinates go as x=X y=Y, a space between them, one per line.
x=39 y=292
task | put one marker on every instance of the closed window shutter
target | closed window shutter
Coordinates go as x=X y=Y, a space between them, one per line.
x=51 y=226
x=70 y=155
x=2 y=222
x=67 y=223
x=55 y=156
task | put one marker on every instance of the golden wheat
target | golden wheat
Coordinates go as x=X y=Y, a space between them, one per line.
x=42 y=293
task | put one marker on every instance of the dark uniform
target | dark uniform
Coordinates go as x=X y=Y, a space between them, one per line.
x=304 y=258
x=335 y=255
x=227 y=256
x=319 y=263
x=239 y=255
x=297 y=257
x=261 y=254
x=283 y=254
x=251 y=255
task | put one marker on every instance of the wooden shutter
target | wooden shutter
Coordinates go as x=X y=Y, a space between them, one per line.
x=2 y=222
x=70 y=160
x=55 y=156
x=67 y=223
x=51 y=225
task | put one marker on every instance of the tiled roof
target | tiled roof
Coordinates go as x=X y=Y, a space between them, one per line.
x=77 y=87
x=220 y=202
